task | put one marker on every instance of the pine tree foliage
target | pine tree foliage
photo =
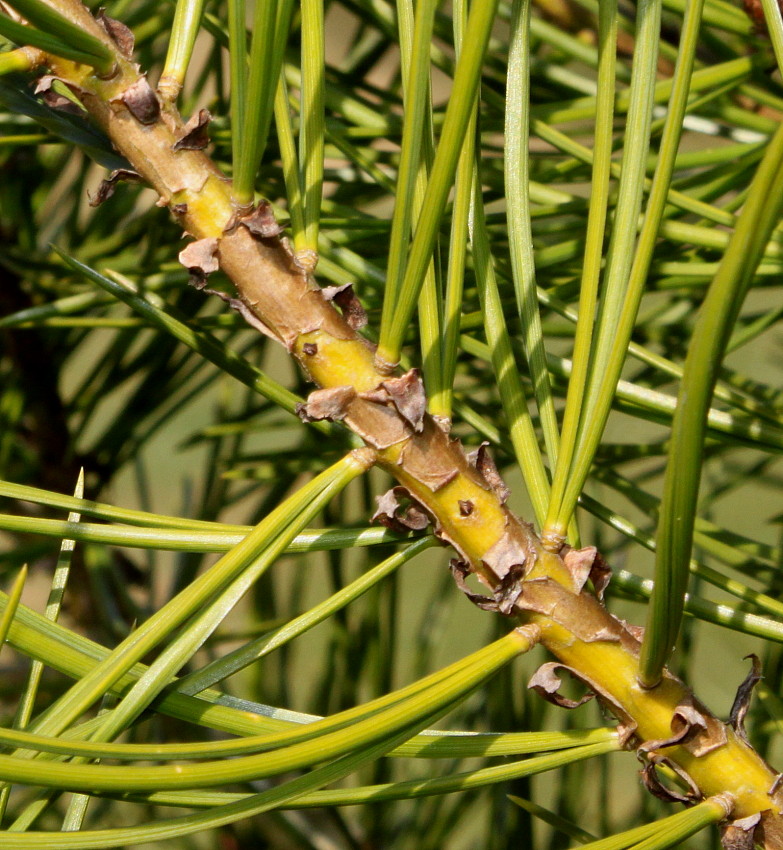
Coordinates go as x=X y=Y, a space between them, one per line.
x=518 y=262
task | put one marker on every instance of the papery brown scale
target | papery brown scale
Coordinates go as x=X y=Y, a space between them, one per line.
x=141 y=101
x=261 y=222
x=407 y=395
x=121 y=35
x=200 y=258
x=194 y=136
x=350 y=306
x=331 y=404
x=546 y=683
x=741 y=704
x=109 y=185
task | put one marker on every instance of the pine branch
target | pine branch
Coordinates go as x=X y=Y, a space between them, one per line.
x=464 y=500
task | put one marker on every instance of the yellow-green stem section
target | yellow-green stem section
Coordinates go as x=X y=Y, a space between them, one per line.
x=573 y=624
x=734 y=767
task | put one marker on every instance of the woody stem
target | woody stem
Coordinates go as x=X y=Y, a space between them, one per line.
x=503 y=551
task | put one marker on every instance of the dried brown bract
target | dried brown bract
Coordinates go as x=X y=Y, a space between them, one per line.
x=482 y=460
x=741 y=704
x=109 y=185
x=399 y=511
x=261 y=222
x=350 y=306
x=331 y=404
x=547 y=683
x=118 y=32
x=195 y=136
x=141 y=101
x=738 y=835
x=200 y=259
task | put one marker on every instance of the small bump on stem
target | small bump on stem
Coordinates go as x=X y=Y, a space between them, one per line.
x=169 y=88
x=306 y=260
x=364 y=457
x=532 y=634
x=553 y=540
x=384 y=366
